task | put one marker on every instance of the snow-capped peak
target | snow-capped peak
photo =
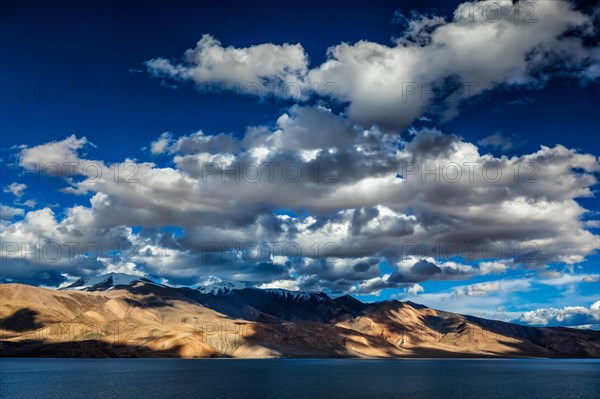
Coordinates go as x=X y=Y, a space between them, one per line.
x=106 y=282
x=216 y=286
x=298 y=295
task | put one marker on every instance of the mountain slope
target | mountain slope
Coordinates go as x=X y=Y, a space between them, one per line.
x=147 y=319
x=106 y=282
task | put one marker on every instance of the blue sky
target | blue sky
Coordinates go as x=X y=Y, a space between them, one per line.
x=108 y=85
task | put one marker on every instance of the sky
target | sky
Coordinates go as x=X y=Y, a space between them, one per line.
x=440 y=152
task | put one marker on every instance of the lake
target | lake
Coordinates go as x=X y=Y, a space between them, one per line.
x=299 y=378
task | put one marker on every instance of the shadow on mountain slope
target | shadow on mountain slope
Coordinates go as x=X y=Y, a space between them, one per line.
x=20 y=321
x=87 y=349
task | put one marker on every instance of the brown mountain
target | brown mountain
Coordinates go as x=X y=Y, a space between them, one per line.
x=143 y=319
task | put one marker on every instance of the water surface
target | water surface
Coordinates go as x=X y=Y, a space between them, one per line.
x=299 y=378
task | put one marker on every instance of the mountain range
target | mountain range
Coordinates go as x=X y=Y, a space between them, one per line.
x=119 y=315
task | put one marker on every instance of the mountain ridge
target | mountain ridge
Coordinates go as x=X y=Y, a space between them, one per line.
x=146 y=319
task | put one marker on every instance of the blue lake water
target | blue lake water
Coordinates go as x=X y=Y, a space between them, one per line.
x=299 y=378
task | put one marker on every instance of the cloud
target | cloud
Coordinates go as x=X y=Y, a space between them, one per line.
x=592 y=224
x=372 y=286
x=505 y=286
x=56 y=158
x=567 y=316
x=500 y=141
x=29 y=203
x=15 y=189
x=432 y=67
x=415 y=289
x=591 y=279
x=567 y=278
x=358 y=197
x=9 y=212
x=492 y=268
x=411 y=271
x=76 y=245
x=255 y=69
x=290 y=285
x=522 y=101
x=160 y=145
x=360 y=194
x=495 y=287
x=436 y=65
x=502 y=299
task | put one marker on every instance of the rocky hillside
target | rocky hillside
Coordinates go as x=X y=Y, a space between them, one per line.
x=129 y=317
